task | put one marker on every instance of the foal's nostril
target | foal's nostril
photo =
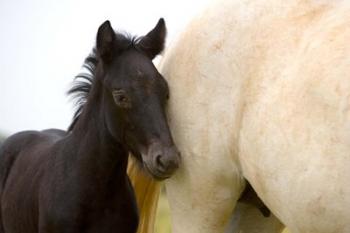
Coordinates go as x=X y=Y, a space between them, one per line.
x=159 y=162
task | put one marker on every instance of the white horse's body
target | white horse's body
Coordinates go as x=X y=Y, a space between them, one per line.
x=261 y=90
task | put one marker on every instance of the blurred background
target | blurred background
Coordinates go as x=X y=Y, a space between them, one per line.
x=44 y=43
x=163 y=221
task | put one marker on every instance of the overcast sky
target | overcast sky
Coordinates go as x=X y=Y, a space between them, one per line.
x=43 y=44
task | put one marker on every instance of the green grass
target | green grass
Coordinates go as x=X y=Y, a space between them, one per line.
x=163 y=224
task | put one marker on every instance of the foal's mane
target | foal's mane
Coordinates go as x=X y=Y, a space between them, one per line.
x=82 y=86
x=84 y=81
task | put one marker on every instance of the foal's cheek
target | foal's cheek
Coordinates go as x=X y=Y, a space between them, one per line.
x=132 y=127
x=132 y=139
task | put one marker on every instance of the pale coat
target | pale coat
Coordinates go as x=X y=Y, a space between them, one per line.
x=260 y=89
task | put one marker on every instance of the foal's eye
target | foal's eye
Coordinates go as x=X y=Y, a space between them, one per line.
x=121 y=99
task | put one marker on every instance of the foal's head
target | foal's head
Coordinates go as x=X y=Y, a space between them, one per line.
x=135 y=95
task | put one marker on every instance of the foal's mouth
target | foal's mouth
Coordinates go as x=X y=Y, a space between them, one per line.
x=155 y=174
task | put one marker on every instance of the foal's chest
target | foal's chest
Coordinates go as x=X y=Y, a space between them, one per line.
x=112 y=209
x=124 y=220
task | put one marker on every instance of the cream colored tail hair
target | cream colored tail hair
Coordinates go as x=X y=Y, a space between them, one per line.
x=147 y=194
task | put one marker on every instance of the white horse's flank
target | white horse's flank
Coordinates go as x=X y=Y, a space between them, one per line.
x=261 y=90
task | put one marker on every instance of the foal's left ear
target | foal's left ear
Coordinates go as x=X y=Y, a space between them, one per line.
x=153 y=43
x=105 y=41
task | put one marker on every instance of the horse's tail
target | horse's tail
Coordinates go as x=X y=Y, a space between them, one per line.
x=147 y=194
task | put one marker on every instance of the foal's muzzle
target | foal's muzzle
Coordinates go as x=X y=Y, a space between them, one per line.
x=162 y=161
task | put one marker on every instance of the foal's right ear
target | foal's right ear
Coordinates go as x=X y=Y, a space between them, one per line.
x=105 y=41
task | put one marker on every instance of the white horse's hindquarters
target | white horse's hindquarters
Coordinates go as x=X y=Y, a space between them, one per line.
x=305 y=182
x=297 y=158
x=295 y=136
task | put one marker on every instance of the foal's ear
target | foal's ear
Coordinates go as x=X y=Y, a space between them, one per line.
x=104 y=41
x=153 y=43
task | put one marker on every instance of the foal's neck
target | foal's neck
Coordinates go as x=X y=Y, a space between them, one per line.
x=97 y=150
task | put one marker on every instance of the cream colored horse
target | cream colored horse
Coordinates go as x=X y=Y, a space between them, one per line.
x=260 y=90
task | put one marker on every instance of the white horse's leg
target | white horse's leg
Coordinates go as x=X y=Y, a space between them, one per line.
x=202 y=196
x=204 y=191
x=248 y=219
x=205 y=125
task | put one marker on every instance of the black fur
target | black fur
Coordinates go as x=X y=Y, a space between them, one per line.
x=54 y=181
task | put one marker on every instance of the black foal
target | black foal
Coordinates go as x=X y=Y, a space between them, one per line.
x=68 y=182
